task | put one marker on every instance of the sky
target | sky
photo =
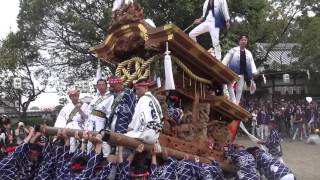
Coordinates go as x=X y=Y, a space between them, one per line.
x=9 y=10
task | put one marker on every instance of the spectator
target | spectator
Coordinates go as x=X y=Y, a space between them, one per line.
x=21 y=132
x=297 y=124
x=7 y=134
x=254 y=122
x=263 y=119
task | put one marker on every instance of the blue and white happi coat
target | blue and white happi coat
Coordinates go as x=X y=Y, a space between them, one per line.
x=175 y=113
x=105 y=173
x=270 y=167
x=246 y=164
x=47 y=166
x=211 y=172
x=122 y=171
x=147 y=121
x=122 y=111
x=186 y=169
x=165 y=171
x=90 y=171
x=9 y=168
x=273 y=143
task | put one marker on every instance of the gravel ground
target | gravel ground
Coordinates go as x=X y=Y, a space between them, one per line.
x=303 y=159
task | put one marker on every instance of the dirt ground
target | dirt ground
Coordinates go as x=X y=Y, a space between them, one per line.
x=303 y=159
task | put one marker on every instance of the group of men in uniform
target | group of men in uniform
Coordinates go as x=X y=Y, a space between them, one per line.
x=136 y=114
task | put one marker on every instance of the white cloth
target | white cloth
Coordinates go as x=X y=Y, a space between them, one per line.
x=288 y=177
x=61 y=121
x=252 y=137
x=314 y=139
x=281 y=160
x=102 y=104
x=145 y=113
x=209 y=25
x=118 y=3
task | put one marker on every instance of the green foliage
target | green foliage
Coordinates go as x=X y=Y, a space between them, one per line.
x=309 y=53
x=17 y=56
x=67 y=29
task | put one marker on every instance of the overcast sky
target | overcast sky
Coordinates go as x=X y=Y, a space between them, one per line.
x=9 y=10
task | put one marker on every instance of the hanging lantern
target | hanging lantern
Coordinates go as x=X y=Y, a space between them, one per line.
x=286 y=78
x=309 y=99
x=169 y=82
x=17 y=83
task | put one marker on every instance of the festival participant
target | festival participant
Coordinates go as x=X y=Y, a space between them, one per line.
x=100 y=107
x=81 y=165
x=174 y=111
x=211 y=171
x=51 y=164
x=214 y=17
x=8 y=165
x=31 y=162
x=188 y=169
x=74 y=115
x=244 y=162
x=163 y=167
x=270 y=167
x=95 y=158
x=111 y=162
x=25 y=161
x=273 y=142
x=75 y=112
x=122 y=108
x=146 y=122
x=240 y=60
x=46 y=170
x=137 y=161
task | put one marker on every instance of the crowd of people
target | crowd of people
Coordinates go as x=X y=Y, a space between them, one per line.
x=295 y=119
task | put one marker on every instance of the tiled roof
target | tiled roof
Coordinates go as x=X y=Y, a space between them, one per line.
x=281 y=54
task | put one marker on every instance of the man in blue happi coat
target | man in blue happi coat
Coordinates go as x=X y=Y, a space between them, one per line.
x=244 y=162
x=273 y=142
x=270 y=167
x=122 y=108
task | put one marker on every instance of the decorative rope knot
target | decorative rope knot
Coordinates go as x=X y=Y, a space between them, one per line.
x=137 y=65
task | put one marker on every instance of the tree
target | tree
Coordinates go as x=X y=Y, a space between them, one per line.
x=309 y=39
x=19 y=61
x=67 y=29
